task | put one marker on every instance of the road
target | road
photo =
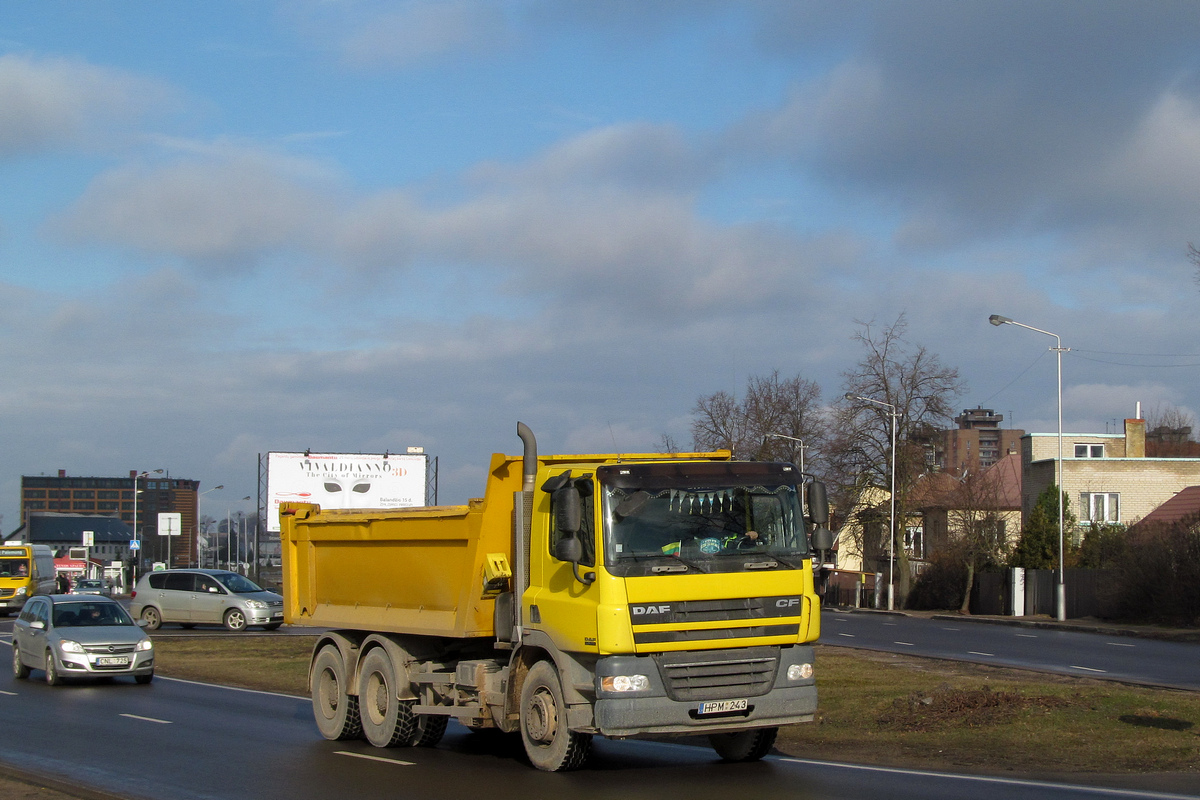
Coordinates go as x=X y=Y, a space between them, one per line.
x=1079 y=653
x=177 y=740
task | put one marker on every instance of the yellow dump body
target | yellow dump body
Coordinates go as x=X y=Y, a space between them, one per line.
x=411 y=571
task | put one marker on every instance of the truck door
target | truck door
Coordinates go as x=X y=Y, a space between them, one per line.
x=565 y=605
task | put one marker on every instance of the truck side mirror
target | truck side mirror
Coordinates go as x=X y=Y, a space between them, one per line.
x=568 y=511
x=569 y=548
x=818 y=504
x=822 y=539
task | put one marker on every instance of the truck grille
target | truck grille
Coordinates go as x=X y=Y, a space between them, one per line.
x=694 y=675
x=6 y=593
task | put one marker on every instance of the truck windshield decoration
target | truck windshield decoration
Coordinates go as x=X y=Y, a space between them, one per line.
x=663 y=520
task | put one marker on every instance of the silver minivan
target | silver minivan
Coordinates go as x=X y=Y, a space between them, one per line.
x=204 y=596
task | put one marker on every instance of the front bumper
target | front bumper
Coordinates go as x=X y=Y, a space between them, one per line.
x=99 y=664
x=662 y=710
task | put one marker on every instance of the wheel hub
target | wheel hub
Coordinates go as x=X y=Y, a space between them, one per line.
x=542 y=718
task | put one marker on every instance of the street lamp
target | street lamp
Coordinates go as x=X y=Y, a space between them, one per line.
x=229 y=536
x=894 y=414
x=793 y=439
x=199 y=554
x=141 y=548
x=1061 y=596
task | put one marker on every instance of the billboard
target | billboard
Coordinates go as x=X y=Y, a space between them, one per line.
x=343 y=480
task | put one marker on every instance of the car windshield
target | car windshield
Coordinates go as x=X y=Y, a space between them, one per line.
x=238 y=584
x=705 y=517
x=68 y=615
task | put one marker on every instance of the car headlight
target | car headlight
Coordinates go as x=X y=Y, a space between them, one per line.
x=68 y=646
x=255 y=604
x=624 y=683
x=800 y=672
x=145 y=644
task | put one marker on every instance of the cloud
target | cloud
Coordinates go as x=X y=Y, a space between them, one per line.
x=55 y=103
x=219 y=213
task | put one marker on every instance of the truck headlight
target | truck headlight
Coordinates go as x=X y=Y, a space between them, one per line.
x=800 y=672
x=624 y=683
x=68 y=646
x=22 y=591
x=145 y=644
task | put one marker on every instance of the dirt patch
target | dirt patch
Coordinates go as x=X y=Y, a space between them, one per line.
x=948 y=707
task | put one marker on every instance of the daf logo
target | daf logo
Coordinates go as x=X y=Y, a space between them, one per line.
x=641 y=610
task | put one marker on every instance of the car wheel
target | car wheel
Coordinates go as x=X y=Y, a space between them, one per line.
x=52 y=676
x=335 y=711
x=744 y=745
x=235 y=620
x=144 y=679
x=19 y=668
x=152 y=618
x=549 y=743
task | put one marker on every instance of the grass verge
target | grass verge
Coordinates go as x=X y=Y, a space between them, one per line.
x=876 y=708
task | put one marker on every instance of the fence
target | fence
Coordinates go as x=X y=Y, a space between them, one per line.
x=1088 y=593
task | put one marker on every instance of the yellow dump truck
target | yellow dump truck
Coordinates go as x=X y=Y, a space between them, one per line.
x=619 y=595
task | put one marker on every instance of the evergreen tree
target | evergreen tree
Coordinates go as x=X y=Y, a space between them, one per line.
x=1038 y=548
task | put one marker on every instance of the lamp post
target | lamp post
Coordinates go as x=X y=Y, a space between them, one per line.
x=141 y=544
x=793 y=439
x=199 y=554
x=894 y=414
x=1061 y=594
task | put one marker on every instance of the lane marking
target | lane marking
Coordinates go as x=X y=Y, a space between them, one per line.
x=1027 y=635
x=951 y=629
x=148 y=719
x=977 y=653
x=1120 y=644
x=1089 y=669
x=847 y=635
x=906 y=644
x=10 y=694
x=395 y=761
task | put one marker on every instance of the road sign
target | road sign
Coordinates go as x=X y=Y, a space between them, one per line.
x=135 y=545
x=89 y=538
x=169 y=524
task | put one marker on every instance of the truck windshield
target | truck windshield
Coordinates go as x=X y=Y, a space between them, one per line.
x=702 y=517
x=14 y=567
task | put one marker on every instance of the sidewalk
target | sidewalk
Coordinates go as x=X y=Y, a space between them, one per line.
x=1088 y=624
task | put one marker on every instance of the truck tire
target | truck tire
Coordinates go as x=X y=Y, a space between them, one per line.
x=749 y=745
x=550 y=745
x=388 y=721
x=335 y=711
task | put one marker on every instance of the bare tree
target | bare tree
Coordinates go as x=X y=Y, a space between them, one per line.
x=922 y=390
x=977 y=524
x=774 y=419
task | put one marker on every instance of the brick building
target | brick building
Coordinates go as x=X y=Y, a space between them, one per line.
x=1107 y=476
x=977 y=443
x=113 y=497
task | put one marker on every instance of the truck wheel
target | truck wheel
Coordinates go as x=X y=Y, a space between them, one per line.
x=744 y=745
x=152 y=618
x=430 y=729
x=386 y=721
x=548 y=743
x=19 y=668
x=335 y=711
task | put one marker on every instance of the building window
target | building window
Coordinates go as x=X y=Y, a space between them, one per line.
x=1100 y=506
x=85 y=505
x=1089 y=451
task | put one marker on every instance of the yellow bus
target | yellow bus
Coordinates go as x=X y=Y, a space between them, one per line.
x=25 y=570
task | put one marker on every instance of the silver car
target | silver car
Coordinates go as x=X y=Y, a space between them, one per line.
x=80 y=636
x=204 y=596
x=92 y=586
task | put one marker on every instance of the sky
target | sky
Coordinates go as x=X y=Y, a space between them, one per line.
x=243 y=226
